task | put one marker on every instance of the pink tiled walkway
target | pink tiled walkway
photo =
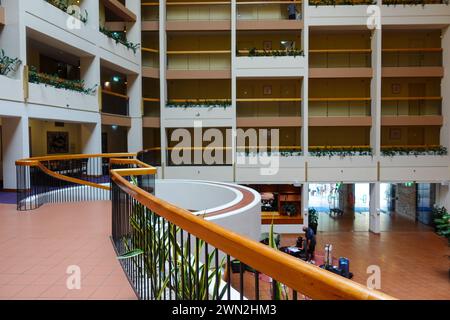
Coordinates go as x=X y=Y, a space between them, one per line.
x=37 y=247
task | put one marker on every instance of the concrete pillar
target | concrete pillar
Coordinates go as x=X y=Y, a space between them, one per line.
x=375 y=91
x=135 y=139
x=305 y=203
x=406 y=204
x=347 y=198
x=374 y=208
x=163 y=82
x=305 y=87
x=91 y=137
x=15 y=136
x=445 y=92
x=234 y=82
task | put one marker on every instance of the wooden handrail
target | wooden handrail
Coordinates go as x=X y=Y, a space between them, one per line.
x=412 y=50
x=268 y=2
x=150 y=50
x=409 y=98
x=411 y=146
x=340 y=99
x=340 y=50
x=199 y=100
x=195 y=3
x=33 y=161
x=199 y=52
x=110 y=93
x=310 y=280
x=151 y=99
x=338 y=147
x=268 y=99
x=150 y=4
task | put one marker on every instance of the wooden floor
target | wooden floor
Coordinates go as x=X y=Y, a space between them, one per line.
x=37 y=247
x=412 y=258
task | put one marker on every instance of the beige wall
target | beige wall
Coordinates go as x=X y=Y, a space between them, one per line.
x=414 y=135
x=39 y=129
x=198 y=12
x=289 y=88
x=247 y=40
x=199 y=89
x=342 y=136
x=411 y=39
x=289 y=136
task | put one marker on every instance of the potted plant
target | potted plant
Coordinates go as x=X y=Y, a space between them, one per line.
x=442 y=224
x=313 y=219
x=289 y=209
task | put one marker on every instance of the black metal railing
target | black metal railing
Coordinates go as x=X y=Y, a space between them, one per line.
x=61 y=180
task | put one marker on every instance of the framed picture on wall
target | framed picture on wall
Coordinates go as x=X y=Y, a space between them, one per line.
x=267 y=90
x=57 y=142
x=267 y=45
x=396 y=88
x=395 y=134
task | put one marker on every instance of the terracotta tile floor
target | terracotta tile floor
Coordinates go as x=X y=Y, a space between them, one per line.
x=410 y=255
x=37 y=247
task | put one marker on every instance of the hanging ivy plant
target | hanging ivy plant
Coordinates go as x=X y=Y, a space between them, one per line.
x=341 y=2
x=283 y=153
x=7 y=64
x=340 y=151
x=54 y=81
x=199 y=103
x=64 y=5
x=414 y=151
x=118 y=38
x=413 y=2
x=275 y=53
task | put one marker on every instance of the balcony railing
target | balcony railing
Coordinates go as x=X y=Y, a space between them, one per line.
x=150 y=11
x=339 y=107
x=340 y=58
x=413 y=2
x=268 y=10
x=167 y=252
x=209 y=60
x=254 y=52
x=198 y=11
x=195 y=256
x=269 y=107
x=151 y=107
x=341 y=151
x=413 y=150
x=115 y=103
x=411 y=106
x=412 y=57
x=150 y=58
x=71 y=7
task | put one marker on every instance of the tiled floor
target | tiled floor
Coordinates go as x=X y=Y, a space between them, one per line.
x=37 y=247
x=411 y=257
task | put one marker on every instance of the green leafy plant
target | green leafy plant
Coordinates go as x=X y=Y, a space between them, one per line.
x=120 y=38
x=199 y=103
x=7 y=64
x=340 y=2
x=413 y=151
x=340 y=151
x=169 y=264
x=54 y=81
x=442 y=223
x=413 y=2
x=275 y=53
x=313 y=216
x=64 y=5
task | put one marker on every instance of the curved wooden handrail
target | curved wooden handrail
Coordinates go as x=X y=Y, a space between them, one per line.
x=33 y=161
x=298 y=275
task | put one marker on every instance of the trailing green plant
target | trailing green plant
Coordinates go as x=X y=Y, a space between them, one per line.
x=169 y=265
x=66 y=6
x=414 y=151
x=7 y=64
x=199 y=103
x=341 y=2
x=120 y=38
x=437 y=213
x=340 y=151
x=284 y=153
x=275 y=53
x=413 y=2
x=442 y=224
x=53 y=80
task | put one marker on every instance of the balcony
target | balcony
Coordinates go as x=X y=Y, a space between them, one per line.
x=115 y=103
x=269 y=15
x=340 y=63
x=207 y=64
x=150 y=16
x=329 y=112
x=198 y=15
x=119 y=10
x=412 y=111
x=412 y=62
x=338 y=12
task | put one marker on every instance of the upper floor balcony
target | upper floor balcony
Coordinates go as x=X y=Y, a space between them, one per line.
x=150 y=16
x=198 y=15
x=119 y=10
x=114 y=93
x=338 y=12
x=150 y=54
x=269 y=15
x=412 y=53
x=151 y=102
x=422 y=12
x=270 y=54
x=340 y=54
x=199 y=56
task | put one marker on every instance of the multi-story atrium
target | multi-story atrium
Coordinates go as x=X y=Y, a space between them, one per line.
x=202 y=149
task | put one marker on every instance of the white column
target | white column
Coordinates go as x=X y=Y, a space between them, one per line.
x=135 y=139
x=163 y=81
x=374 y=208
x=305 y=87
x=305 y=203
x=234 y=81
x=445 y=85
x=90 y=73
x=15 y=138
x=375 y=91
x=91 y=137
